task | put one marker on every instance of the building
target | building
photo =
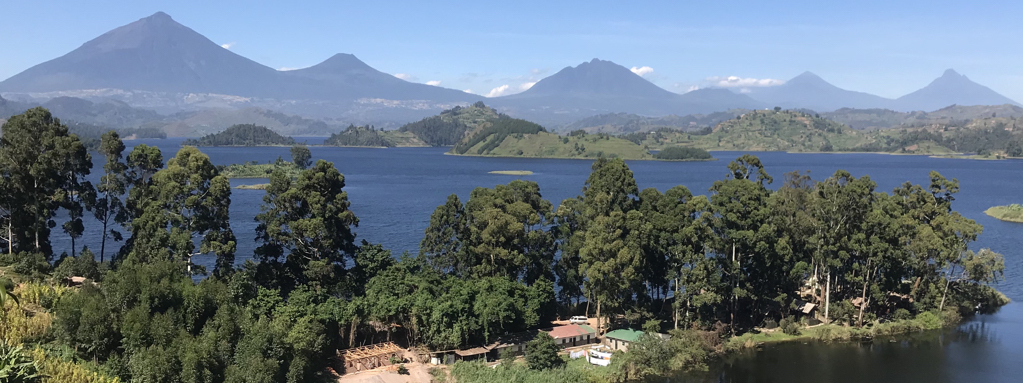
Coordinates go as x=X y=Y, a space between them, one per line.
x=573 y=335
x=621 y=339
x=515 y=342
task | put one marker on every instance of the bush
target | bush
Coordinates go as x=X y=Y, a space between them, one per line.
x=770 y=324
x=542 y=353
x=438 y=375
x=789 y=326
x=84 y=265
x=929 y=321
x=402 y=370
x=902 y=314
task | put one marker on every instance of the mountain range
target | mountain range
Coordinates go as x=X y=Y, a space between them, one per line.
x=159 y=65
x=809 y=91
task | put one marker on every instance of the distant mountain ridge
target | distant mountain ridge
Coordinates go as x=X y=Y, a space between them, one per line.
x=600 y=86
x=161 y=66
x=809 y=91
x=157 y=54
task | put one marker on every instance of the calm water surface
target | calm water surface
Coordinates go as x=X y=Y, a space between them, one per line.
x=394 y=191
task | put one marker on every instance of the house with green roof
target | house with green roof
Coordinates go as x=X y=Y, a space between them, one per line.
x=620 y=339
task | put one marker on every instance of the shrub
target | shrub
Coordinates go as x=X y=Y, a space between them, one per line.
x=437 y=375
x=902 y=314
x=542 y=353
x=789 y=326
x=402 y=370
x=929 y=321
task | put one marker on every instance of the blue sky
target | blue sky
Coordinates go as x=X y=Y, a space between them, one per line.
x=887 y=48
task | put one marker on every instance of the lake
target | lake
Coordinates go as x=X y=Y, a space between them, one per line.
x=394 y=191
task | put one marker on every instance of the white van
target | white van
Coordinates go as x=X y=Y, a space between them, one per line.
x=578 y=319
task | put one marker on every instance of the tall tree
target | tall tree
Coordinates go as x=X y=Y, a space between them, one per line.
x=109 y=207
x=442 y=241
x=190 y=200
x=305 y=227
x=43 y=169
x=300 y=156
x=744 y=238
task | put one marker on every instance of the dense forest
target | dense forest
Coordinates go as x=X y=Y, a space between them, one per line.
x=242 y=135
x=707 y=267
x=359 y=136
x=677 y=153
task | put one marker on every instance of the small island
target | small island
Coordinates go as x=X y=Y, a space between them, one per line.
x=301 y=158
x=513 y=172
x=1009 y=213
x=243 y=135
x=252 y=187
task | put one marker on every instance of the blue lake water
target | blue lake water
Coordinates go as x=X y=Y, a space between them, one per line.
x=394 y=191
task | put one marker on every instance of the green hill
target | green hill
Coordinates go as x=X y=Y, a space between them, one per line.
x=509 y=137
x=367 y=136
x=243 y=135
x=621 y=123
x=761 y=130
x=451 y=126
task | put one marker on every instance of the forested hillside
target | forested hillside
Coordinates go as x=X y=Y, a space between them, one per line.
x=242 y=135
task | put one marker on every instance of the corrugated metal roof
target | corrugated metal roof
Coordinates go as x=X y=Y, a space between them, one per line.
x=628 y=335
x=571 y=330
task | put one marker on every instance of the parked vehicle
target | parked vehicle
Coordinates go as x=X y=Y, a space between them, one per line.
x=578 y=320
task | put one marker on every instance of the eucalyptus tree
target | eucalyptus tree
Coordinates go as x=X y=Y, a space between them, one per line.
x=305 y=227
x=187 y=199
x=43 y=169
x=109 y=208
x=743 y=235
x=442 y=240
x=841 y=208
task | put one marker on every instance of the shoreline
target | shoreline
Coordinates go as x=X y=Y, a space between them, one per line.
x=999 y=213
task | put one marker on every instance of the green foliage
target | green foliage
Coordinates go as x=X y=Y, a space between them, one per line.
x=16 y=366
x=477 y=372
x=402 y=370
x=300 y=156
x=252 y=169
x=358 y=136
x=494 y=133
x=242 y=135
x=542 y=353
x=677 y=153
x=790 y=326
x=84 y=265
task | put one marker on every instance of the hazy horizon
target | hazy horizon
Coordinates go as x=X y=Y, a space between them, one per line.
x=494 y=49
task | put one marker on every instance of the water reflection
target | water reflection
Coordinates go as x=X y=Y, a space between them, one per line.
x=974 y=352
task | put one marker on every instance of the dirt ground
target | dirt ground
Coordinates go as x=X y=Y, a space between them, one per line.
x=418 y=373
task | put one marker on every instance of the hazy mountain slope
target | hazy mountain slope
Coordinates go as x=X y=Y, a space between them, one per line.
x=619 y=123
x=153 y=54
x=599 y=86
x=345 y=76
x=885 y=118
x=810 y=91
x=950 y=89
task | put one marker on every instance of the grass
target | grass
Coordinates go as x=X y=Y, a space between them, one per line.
x=837 y=332
x=256 y=170
x=252 y=187
x=550 y=145
x=578 y=370
x=513 y=172
x=1009 y=213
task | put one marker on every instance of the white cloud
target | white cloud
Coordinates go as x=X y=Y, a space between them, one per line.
x=741 y=82
x=403 y=76
x=642 y=70
x=467 y=90
x=526 y=85
x=433 y=82
x=227 y=46
x=285 y=69
x=499 y=91
x=692 y=88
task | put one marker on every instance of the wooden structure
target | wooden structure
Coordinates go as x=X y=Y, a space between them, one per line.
x=371 y=356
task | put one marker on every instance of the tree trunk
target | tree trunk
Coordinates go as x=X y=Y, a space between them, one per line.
x=827 y=300
x=600 y=328
x=948 y=282
x=863 y=296
x=676 y=304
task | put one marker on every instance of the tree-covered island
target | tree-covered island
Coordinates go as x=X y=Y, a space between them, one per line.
x=715 y=271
